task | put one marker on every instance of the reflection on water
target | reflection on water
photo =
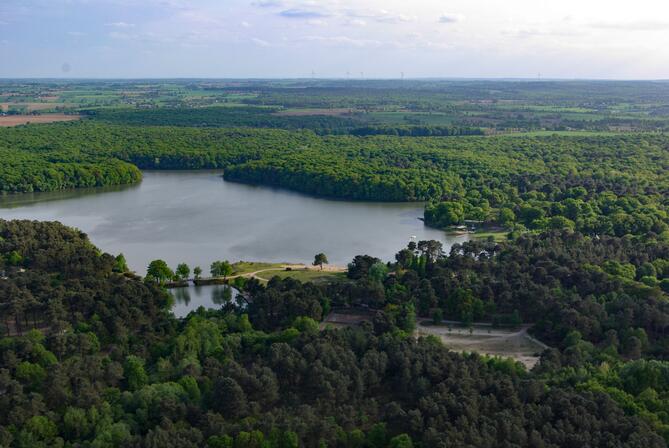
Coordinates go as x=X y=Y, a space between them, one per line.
x=181 y=296
x=198 y=218
x=211 y=296
x=26 y=199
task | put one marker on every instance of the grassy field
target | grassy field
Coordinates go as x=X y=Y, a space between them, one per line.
x=247 y=267
x=307 y=276
x=498 y=235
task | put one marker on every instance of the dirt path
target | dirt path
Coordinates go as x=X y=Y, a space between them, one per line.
x=294 y=267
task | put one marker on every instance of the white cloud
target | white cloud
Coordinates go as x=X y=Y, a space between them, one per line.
x=120 y=25
x=76 y=33
x=451 y=18
x=641 y=25
x=357 y=22
x=297 y=13
x=345 y=41
x=120 y=36
x=269 y=4
x=260 y=42
x=246 y=24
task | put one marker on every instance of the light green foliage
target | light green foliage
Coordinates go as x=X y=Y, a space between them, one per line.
x=445 y=214
x=159 y=271
x=378 y=272
x=182 y=271
x=221 y=269
x=121 y=265
x=401 y=441
x=624 y=270
x=306 y=324
x=33 y=375
x=200 y=339
x=134 y=373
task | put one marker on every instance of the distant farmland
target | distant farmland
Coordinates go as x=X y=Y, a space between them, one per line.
x=16 y=120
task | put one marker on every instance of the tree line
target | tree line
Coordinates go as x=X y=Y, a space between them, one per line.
x=596 y=185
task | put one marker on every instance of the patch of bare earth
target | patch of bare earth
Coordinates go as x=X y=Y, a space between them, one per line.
x=346 y=318
x=515 y=344
x=16 y=120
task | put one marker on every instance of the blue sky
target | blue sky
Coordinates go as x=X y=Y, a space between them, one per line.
x=335 y=38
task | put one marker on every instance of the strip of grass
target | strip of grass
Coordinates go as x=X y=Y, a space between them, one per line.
x=246 y=267
x=307 y=276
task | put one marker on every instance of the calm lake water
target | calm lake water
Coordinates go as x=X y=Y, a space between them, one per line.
x=197 y=218
x=193 y=297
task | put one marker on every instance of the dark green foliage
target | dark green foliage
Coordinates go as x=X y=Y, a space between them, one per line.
x=119 y=371
x=223 y=117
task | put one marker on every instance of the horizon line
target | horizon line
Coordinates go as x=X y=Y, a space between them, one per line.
x=356 y=79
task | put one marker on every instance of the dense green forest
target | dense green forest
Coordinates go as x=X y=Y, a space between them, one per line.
x=96 y=359
x=612 y=185
x=91 y=356
x=347 y=122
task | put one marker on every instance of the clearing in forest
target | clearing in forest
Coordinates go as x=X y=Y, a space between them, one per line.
x=484 y=339
x=17 y=120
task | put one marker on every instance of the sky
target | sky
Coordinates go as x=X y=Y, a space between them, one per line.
x=601 y=39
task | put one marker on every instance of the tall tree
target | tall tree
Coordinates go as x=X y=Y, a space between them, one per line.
x=320 y=260
x=183 y=271
x=159 y=271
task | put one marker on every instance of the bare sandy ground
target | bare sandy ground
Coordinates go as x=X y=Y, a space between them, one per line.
x=515 y=344
x=16 y=120
x=483 y=339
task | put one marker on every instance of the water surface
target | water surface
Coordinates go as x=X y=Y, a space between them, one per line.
x=197 y=218
x=189 y=299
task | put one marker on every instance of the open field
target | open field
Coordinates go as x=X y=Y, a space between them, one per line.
x=307 y=112
x=515 y=344
x=498 y=235
x=246 y=267
x=304 y=273
x=311 y=275
x=30 y=107
x=17 y=120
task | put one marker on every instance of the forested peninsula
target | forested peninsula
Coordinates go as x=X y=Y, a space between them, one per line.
x=613 y=185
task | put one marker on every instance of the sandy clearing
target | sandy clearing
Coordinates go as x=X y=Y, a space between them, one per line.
x=16 y=120
x=517 y=345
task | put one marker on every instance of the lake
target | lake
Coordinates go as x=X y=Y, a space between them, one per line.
x=210 y=296
x=197 y=218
